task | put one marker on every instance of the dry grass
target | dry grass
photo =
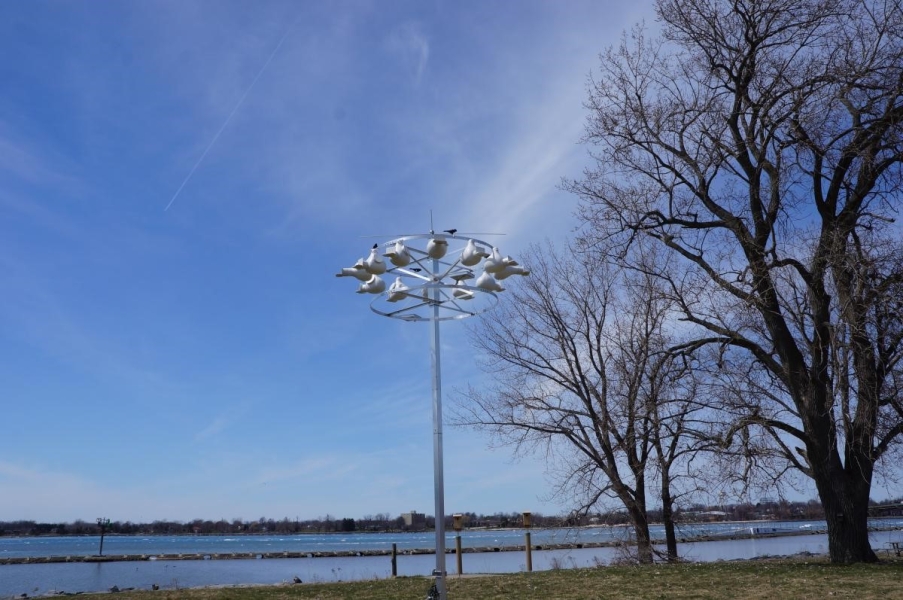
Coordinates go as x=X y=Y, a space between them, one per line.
x=754 y=580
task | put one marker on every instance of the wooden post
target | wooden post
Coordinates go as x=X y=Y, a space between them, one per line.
x=394 y=560
x=529 y=552
x=458 y=524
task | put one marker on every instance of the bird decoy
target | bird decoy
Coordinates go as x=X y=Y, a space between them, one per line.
x=487 y=282
x=374 y=285
x=451 y=231
x=399 y=256
x=472 y=254
x=358 y=271
x=374 y=263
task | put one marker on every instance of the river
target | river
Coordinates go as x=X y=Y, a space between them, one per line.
x=44 y=579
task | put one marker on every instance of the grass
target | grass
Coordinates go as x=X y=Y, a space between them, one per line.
x=753 y=580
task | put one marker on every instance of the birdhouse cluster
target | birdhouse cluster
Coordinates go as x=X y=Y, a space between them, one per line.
x=433 y=268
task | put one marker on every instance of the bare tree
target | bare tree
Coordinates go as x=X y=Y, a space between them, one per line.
x=760 y=142
x=580 y=370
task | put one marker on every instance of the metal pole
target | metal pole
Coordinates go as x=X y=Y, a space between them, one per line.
x=438 y=474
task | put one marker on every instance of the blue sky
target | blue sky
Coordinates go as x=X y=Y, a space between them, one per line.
x=201 y=360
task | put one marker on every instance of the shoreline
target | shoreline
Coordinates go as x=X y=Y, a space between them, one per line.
x=358 y=553
x=797 y=557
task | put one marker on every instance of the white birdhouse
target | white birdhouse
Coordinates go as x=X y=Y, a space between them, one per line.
x=375 y=285
x=487 y=282
x=472 y=254
x=357 y=271
x=399 y=256
x=437 y=246
x=461 y=294
x=496 y=262
x=398 y=290
x=374 y=263
x=510 y=270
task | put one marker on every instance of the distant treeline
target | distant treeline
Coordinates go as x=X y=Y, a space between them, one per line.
x=778 y=510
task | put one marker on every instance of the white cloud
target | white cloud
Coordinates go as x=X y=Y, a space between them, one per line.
x=216 y=426
x=410 y=44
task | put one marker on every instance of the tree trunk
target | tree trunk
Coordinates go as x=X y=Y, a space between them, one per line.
x=845 y=500
x=668 y=518
x=641 y=533
x=848 y=536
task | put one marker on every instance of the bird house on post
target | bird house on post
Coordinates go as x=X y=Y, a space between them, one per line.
x=528 y=545
x=458 y=523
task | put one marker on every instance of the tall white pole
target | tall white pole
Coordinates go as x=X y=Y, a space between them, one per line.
x=444 y=291
x=438 y=472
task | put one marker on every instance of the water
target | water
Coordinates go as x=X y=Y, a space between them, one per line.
x=37 y=579
x=334 y=542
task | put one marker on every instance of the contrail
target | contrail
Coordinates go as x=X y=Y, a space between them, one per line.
x=229 y=118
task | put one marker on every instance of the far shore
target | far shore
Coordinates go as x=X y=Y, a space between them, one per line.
x=386 y=531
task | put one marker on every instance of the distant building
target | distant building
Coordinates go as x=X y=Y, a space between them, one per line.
x=414 y=519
